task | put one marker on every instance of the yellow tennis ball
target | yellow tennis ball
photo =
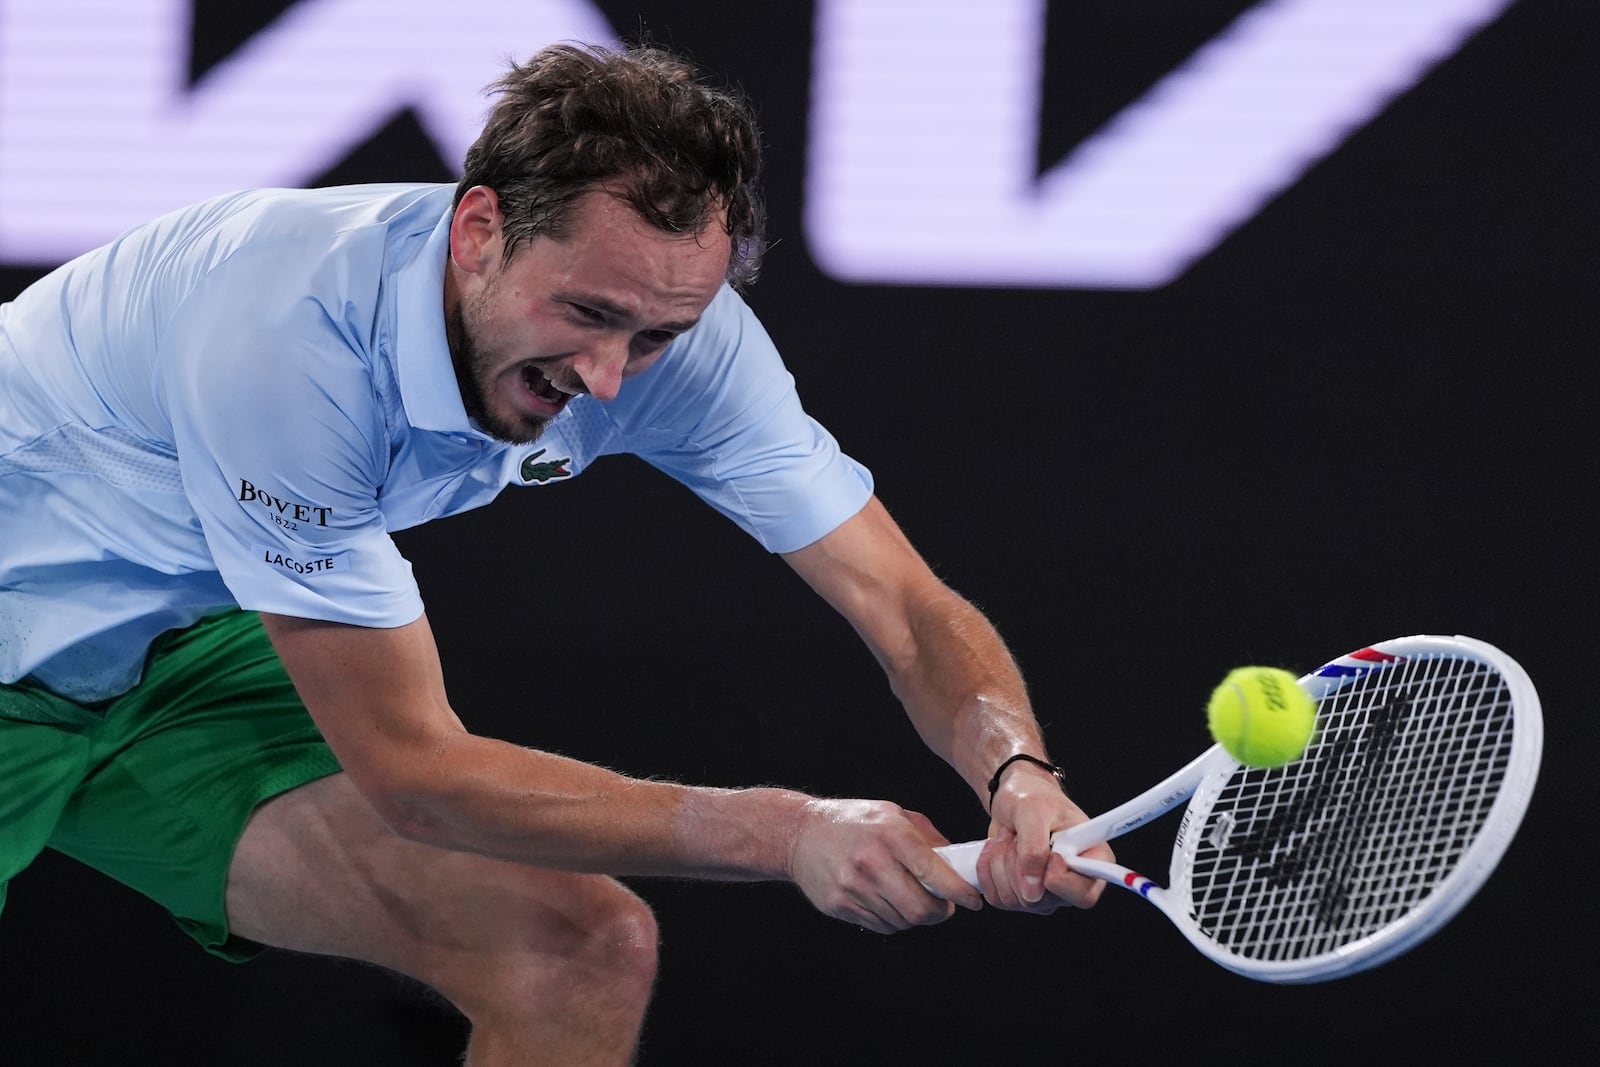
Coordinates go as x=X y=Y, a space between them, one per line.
x=1261 y=716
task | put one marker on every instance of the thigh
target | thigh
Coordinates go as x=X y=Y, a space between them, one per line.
x=176 y=767
x=41 y=765
x=317 y=871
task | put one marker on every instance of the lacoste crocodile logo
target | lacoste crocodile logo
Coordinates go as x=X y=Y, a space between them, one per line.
x=535 y=471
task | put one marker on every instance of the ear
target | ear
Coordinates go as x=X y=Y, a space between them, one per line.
x=475 y=239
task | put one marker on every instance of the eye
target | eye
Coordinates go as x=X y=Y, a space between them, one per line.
x=588 y=314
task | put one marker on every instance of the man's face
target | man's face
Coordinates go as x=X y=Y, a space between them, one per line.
x=570 y=316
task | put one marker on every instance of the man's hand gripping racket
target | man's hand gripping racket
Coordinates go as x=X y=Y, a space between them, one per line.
x=1424 y=759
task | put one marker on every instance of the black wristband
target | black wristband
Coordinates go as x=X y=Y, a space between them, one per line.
x=994 y=783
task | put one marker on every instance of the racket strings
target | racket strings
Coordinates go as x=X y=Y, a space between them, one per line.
x=1298 y=861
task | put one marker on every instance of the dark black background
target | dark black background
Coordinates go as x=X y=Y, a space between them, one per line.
x=1360 y=417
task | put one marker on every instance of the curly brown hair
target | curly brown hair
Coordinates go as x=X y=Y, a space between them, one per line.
x=643 y=123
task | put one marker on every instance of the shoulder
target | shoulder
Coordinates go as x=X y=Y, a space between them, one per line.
x=293 y=263
x=320 y=230
x=331 y=210
x=283 y=333
x=730 y=324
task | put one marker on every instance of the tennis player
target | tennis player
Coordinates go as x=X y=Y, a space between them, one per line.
x=220 y=686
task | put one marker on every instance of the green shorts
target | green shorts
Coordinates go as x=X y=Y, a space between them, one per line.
x=154 y=787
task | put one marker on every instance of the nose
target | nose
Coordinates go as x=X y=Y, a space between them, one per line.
x=600 y=367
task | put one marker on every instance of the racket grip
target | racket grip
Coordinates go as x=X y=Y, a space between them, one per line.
x=963 y=858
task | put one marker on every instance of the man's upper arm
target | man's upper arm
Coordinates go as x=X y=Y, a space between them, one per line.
x=376 y=694
x=282 y=451
x=868 y=570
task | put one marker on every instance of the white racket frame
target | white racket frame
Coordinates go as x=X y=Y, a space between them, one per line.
x=1207 y=774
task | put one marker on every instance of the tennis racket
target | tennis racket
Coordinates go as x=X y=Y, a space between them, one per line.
x=1424 y=759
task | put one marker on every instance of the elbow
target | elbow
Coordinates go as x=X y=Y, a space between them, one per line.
x=410 y=815
x=407 y=781
x=406 y=805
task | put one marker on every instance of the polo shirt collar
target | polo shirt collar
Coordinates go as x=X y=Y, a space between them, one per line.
x=428 y=387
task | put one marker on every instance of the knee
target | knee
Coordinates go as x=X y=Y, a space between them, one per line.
x=622 y=940
x=581 y=960
x=602 y=943
x=555 y=946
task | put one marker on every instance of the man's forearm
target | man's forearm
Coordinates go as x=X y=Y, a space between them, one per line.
x=483 y=795
x=962 y=689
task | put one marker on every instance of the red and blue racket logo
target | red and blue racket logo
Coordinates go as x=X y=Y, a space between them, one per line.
x=1357 y=663
x=1139 y=883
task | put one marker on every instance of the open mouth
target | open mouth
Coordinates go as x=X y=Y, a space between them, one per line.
x=543 y=388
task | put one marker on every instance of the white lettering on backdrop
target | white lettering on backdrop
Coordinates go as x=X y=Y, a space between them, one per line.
x=98 y=130
x=921 y=168
x=924 y=122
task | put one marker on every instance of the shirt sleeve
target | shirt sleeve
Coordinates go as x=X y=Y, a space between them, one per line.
x=720 y=413
x=281 y=439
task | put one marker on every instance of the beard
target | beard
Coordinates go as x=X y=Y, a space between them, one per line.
x=473 y=373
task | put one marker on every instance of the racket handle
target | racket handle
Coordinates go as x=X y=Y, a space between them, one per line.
x=963 y=858
x=1158 y=799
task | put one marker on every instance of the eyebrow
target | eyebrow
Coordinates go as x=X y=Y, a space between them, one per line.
x=616 y=311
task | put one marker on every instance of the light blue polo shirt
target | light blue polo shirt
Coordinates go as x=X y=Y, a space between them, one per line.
x=240 y=402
